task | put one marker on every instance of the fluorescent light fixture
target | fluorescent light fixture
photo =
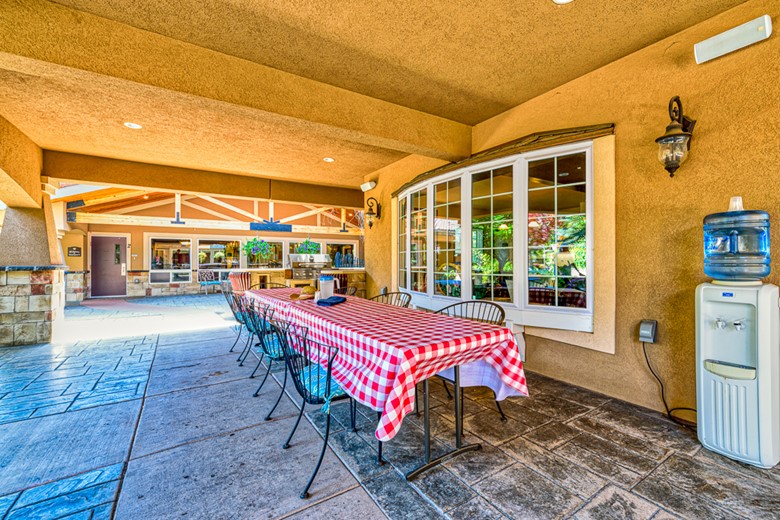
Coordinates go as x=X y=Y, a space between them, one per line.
x=366 y=186
x=329 y=159
x=134 y=126
x=734 y=39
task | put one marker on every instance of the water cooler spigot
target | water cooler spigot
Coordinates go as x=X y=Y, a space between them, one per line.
x=720 y=324
x=738 y=325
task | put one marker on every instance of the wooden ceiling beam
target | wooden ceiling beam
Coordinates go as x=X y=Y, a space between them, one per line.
x=87 y=169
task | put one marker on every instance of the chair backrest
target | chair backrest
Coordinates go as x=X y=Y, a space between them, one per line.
x=347 y=291
x=255 y=313
x=304 y=357
x=227 y=291
x=482 y=311
x=268 y=285
x=240 y=281
x=398 y=299
x=206 y=275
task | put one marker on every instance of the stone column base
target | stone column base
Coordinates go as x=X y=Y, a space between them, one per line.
x=32 y=300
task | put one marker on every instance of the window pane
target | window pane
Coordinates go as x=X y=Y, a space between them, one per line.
x=483 y=262
x=454 y=191
x=541 y=201
x=274 y=259
x=541 y=230
x=541 y=173
x=572 y=292
x=481 y=209
x=218 y=254
x=541 y=291
x=571 y=168
x=571 y=229
x=481 y=235
x=481 y=287
x=480 y=184
x=341 y=255
x=502 y=180
x=571 y=199
x=541 y=261
x=505 y=258
x=170 y=253
x=419 y=281
x=503 y=233
x=572 y=260
x=402 y=278
x=440 y=193
x=293 y=248
x=502 y=207
x=502 y=289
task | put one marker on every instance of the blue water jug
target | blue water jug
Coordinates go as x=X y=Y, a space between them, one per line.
x=736 y=245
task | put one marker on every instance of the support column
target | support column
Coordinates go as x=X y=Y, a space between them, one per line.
x=31 y=265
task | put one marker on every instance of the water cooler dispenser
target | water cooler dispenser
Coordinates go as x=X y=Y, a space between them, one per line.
x=738 y=340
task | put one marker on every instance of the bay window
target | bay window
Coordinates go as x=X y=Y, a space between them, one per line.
x=515 y=231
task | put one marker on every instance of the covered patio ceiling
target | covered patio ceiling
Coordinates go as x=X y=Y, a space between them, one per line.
x=270 y=89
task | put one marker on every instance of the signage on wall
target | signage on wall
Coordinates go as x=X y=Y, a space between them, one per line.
x=270 y=225
x=74 y=251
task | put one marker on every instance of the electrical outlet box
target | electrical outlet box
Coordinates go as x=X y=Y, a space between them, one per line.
x=647 y=330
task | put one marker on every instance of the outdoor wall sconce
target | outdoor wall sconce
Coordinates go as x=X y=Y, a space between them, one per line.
x=674 y=145
x=374 y=211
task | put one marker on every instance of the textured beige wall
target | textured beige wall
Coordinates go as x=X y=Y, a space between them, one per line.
x=75 y=238
x=659 y=238
x=20 y=168
x=379 y=239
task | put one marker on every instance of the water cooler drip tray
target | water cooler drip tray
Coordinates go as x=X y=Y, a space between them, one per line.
x=730 y=370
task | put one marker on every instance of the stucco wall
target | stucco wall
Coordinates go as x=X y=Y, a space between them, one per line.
x=659 y=239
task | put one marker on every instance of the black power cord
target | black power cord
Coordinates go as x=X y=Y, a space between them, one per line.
x=669 y=411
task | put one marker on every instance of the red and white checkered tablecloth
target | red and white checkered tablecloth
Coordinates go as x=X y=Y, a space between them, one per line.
x=384 y=351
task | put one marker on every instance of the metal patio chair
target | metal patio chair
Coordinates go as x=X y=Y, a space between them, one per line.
x=208 y=278
x=347 y=291
x=235 y=308
x=399 y=299
x=313 y=382
x=475 y=310
x=268 y=345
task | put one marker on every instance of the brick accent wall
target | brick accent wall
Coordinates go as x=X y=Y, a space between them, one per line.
x=31 y=303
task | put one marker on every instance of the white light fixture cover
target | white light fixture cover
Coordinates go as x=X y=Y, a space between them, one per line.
x=734 y=39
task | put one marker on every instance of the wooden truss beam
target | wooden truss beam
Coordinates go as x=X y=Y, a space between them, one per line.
x=137 y=220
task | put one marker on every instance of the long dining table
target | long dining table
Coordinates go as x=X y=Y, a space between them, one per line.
x=384 y=351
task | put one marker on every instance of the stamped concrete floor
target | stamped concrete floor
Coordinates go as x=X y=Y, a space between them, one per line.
x=164 y=426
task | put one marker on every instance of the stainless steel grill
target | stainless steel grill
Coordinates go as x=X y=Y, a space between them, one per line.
x=305 y=267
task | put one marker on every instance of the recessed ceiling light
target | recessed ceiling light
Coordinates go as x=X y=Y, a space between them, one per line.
x=329 y=159
x=146 y=197
x=562 y=2
x=134 y=126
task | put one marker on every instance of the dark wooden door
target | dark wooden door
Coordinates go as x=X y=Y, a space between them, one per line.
x=109 y=266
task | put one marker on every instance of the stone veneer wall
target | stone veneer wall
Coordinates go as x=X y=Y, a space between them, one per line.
x=76 y=287
x=31 y=302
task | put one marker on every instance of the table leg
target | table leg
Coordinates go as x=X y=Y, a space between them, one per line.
x=459 y=447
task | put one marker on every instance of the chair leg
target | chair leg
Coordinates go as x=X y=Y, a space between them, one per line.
x=257 y=392
x=295 y=427
x=281 y=393
x=449 y=395
x=305 y=493
x=353 y=413
x=379 y=459
x=247 y=348
x=259 y=361
x=238 y=336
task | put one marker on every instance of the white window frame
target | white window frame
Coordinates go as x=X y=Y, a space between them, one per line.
x=148 y=237
x=519 y=311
